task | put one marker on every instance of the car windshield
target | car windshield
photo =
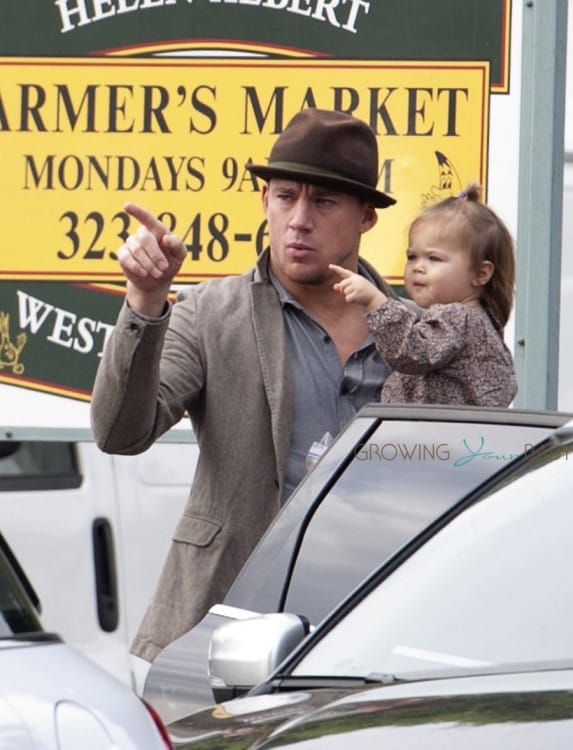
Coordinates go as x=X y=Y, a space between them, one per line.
x=493 y=587
x=406 y=474
x=17 y=616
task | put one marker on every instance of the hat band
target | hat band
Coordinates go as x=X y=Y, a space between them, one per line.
x=292 y=166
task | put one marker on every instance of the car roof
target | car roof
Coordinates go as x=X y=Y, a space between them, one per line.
x=550 y=418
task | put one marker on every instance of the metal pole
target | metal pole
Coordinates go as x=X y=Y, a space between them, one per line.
x=537 y=305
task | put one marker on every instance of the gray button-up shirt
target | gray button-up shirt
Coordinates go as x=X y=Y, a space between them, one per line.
x=326 y=394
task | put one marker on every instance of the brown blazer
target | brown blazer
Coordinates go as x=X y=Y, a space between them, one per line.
x=231 y=328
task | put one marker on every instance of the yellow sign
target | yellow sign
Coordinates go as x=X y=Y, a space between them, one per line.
x=79 y=137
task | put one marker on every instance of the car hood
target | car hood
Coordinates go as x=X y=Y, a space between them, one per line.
x=522 y=710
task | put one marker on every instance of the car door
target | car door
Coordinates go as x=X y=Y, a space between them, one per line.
x=385 y=478
x=92 y=531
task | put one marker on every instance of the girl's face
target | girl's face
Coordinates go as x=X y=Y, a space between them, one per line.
x=439 y=269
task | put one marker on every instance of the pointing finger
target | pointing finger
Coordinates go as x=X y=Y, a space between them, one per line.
x=344 y=273
x=145 y=217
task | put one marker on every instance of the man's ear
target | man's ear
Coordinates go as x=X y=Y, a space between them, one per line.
x=369 y=217
x=265 y=196
x=484 y=273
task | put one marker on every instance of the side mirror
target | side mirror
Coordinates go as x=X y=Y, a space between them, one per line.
x=245 y=652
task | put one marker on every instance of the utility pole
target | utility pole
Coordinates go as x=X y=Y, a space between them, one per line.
x=540 y=208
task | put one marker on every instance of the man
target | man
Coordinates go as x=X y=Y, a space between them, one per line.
x=265 y=363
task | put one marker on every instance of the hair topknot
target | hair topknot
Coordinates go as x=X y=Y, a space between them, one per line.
x=472 y=192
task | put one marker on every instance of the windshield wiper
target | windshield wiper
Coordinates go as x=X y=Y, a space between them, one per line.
x=382 y=678
x=302 y=682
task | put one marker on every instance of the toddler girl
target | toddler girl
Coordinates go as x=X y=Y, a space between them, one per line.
x=460 y=269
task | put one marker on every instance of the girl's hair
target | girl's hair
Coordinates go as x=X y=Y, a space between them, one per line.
x=486 y=238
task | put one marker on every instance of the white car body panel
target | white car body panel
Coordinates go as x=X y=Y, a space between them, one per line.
x=55 y=699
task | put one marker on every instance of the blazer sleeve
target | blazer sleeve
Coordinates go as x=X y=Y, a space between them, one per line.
x=148 y=376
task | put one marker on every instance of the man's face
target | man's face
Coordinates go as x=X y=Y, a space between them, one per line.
x=311 y=226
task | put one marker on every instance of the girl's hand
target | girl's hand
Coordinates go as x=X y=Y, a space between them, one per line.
x=357 y=289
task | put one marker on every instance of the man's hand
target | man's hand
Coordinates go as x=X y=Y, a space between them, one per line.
x=150 y=259
x=357 y=289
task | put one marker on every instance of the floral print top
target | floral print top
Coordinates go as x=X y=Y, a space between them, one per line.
x=451 y=354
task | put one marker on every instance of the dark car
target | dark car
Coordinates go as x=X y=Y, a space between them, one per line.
x=386 y=477
x=463 y=639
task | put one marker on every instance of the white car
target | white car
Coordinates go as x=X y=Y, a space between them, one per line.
x=53 y=698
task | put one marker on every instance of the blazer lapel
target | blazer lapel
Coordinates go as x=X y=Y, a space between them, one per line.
x=270 y=338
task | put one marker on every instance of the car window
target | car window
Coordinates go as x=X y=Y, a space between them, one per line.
x=492 y=587
x=407 y=474
x=38 y=465
x=17 y=616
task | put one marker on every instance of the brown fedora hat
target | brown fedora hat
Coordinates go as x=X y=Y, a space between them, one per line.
x=327 y=148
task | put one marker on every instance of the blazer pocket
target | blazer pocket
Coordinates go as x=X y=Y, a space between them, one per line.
x=196 y=530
